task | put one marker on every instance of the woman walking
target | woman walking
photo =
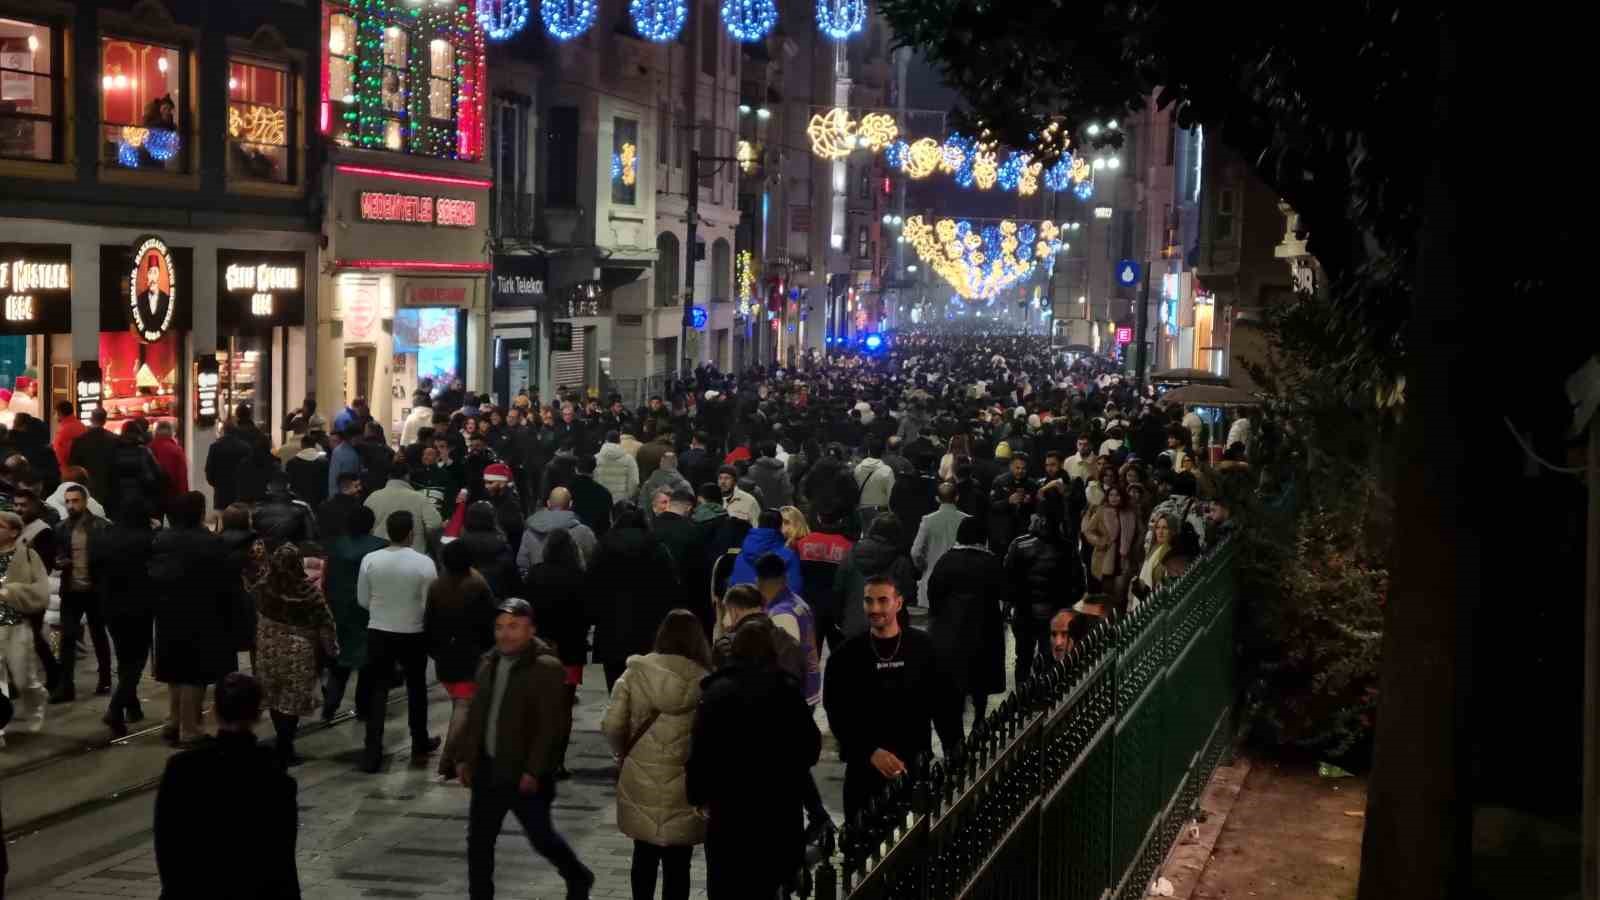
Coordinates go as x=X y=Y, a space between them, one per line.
x=648 y=725
x=1113 y=531
x=24 y=591
x=459 y=625
x=294 y=630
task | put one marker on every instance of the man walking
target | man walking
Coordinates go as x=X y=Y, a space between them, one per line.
x=399 y=496
x=392 y=586
x=510 y=749
x=882 y=691
x=936 y=534
x=79 y=599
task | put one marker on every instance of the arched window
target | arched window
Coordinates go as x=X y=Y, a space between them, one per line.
x=668 y=282
x=721 y=271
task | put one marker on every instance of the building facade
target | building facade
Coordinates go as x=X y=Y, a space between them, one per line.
x=158 y=226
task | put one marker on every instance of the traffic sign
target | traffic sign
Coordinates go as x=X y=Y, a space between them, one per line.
x=1128 y=272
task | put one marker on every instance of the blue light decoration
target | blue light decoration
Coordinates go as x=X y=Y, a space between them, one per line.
x=872 y=342
x=896 y=155
x=697 y=318
x=616 y=167
x=127 y=155
x=502 y=19
x=959 y=144
x=658 y=20
x=1011 y=170
x=840 y=19
x=567 y=19
x=1084 y=189
x=1059 y=176
x=749 y=20
x=162 y=144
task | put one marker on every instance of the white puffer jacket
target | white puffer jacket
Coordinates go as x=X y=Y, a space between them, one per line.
x=661 y=691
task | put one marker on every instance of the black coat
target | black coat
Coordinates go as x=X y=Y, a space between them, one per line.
x=222 y=465
x=251 y=834
x=308 y=478
x=492 y=555
x=1006 y=520
x=753 y=716
x=242 y=619
x=118 y=566
x=459 y=625
x=557 y=596
x=194 y=628
x=968 y=624
x=632 y=585
x=1043 y=575
x=92 y=450
x=592 y=502
x=333 y=516
x=280 y=520
x=134 y=475
x=686 y=541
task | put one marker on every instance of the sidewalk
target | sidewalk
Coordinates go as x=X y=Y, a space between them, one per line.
x=1272 y=830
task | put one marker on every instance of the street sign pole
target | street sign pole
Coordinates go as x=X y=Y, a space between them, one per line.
x=1141 y=322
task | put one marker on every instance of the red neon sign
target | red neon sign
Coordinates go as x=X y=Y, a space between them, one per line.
x=400 y=175
x=1124 y=334
x=413 y=209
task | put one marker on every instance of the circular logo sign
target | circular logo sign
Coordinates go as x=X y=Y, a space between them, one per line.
x=152 y=290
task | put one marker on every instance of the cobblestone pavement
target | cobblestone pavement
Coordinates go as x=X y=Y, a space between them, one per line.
x=399 y=834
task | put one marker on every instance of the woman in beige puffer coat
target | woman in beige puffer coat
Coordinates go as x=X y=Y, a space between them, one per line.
x=648 y=724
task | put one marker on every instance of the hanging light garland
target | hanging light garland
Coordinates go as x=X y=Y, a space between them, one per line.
x=502 y=19
x=749 y=20
x=162 y=144
x=567 y=19
x=841 y=19
x=625 y=165
x=981 y=262
x=658 y=20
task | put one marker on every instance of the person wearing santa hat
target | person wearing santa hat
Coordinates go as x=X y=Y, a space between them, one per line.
x=7 y=417
x=25 y=398
x=501 y=493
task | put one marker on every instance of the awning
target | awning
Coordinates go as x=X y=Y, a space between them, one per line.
x=1210 y=395
x=1187 y=376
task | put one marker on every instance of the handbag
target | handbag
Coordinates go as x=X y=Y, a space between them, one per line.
x=637 y=736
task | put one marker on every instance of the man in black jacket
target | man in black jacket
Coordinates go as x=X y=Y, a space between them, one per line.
x=79 y=598
x=280 y=518
x=883 y=690
x=333 y=516
x=1011 y=503
x=198 y=837
x=308 y=472
x=967 y=622
x=93 y=451
x=686 y=541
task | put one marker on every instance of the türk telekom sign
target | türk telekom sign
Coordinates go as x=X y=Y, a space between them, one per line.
x=417 y=209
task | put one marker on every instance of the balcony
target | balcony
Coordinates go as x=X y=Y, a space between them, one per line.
x=514 y=216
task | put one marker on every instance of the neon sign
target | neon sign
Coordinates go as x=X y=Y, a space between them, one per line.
x=418 y=209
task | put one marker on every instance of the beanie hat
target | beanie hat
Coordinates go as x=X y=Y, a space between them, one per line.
x=1002 y=450
x=496 y=472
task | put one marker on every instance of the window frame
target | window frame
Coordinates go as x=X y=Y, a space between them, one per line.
x=337 y=105
x=291 y=116
x=449 y=80
x=403 y=116
x=184 y=121
x=58 y=93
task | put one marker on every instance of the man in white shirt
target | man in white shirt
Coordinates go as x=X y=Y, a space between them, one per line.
x=392 y=586
x=420 y=417
x=1080 y=464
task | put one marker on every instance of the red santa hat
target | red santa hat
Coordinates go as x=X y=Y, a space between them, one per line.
x=24 y=382
x=5 y=395
x=496 y=472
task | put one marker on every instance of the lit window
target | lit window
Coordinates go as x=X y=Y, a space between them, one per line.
x=624 y=161
x=341 y=75
x=395 y=41
x=441 y=77
x=259 y=119
x=141 y=105
x=28 y=85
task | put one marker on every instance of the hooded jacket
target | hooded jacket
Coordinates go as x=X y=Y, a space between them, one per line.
x=876 y=480
x=308 y=475
x=632 y=583
x=872 y=555
x=758 y=543
x=772 y=477
x=616 y=470
x=541 y=525
x=652 y=709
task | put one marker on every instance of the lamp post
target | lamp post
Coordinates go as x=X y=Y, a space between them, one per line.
x=692 y=219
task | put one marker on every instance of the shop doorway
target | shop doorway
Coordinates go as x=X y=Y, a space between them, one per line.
x=358 y=366
x=514 y=369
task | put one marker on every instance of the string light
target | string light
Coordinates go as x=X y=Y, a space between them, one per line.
x=980 y=263
x=1059 y=176
x=658 y=20
x=745 y=275
x=625 y=165
x=502 y=19
x=567 y=19
x=877 y=130
x=840 y=19
x=832 y=133
x=749 y=20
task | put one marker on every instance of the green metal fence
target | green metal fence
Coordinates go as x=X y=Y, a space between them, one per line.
x=1075 y=788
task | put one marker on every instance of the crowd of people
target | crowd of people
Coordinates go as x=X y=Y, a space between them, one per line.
x=735 y=556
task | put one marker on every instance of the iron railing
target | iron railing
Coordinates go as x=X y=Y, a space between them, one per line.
x=1075 y=788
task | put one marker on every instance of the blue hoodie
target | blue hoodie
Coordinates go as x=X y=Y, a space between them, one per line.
x=758 y=543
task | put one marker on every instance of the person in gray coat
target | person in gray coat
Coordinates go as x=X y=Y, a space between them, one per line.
x=936 y=535
x=665 y=478
x=772 y=477
x=557 y=515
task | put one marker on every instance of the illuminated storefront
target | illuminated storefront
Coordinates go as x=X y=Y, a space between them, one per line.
x=261 y=317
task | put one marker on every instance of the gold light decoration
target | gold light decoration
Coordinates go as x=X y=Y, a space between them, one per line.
x=1080 y=170
x=258 y=125
x=832 y=134
x=985 y=170
x=1028 y=181
x=630 y=164
x=923 y=158
x=961 y=260
x=745 y=274
x=745 y=153
x=878 y=130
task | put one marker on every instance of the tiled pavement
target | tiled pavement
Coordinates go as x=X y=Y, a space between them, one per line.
x=399 y=834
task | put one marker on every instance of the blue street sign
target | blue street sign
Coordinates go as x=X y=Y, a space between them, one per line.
x=1128 y=272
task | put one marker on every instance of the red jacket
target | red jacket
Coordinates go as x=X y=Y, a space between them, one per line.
x=739 y=454
x=169 y=456
x=822 y=547
x=66 y=433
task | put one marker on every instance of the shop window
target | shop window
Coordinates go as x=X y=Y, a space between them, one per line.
x=392 y=94
x=141 y=105
x=341 y=75
x=441 y=79
x=624 y=161
x=240 y=373
x=1224 y=217
x=260 y=116
x=861 y=242
x=666 y=274
x=29 y=85
x=142 y=381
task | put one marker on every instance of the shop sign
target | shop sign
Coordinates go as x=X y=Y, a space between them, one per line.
x=417 y=295
x=1124 y=334
x=359 y=308
x=260 y=289
x=36 y=284
x=207 y=382
x=90 y=389
x=417 y=209
x=153 y=289
x=519 y=281
x=560 y=337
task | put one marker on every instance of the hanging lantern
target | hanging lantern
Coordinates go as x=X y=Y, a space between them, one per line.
x=840 y=19
x=567 y=19
x=658 y=20
x=502 y=19
x=749 y=20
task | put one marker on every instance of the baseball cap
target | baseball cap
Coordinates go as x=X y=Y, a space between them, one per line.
x=515 y=606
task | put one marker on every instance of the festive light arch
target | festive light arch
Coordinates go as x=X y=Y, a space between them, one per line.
x=980 y=262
